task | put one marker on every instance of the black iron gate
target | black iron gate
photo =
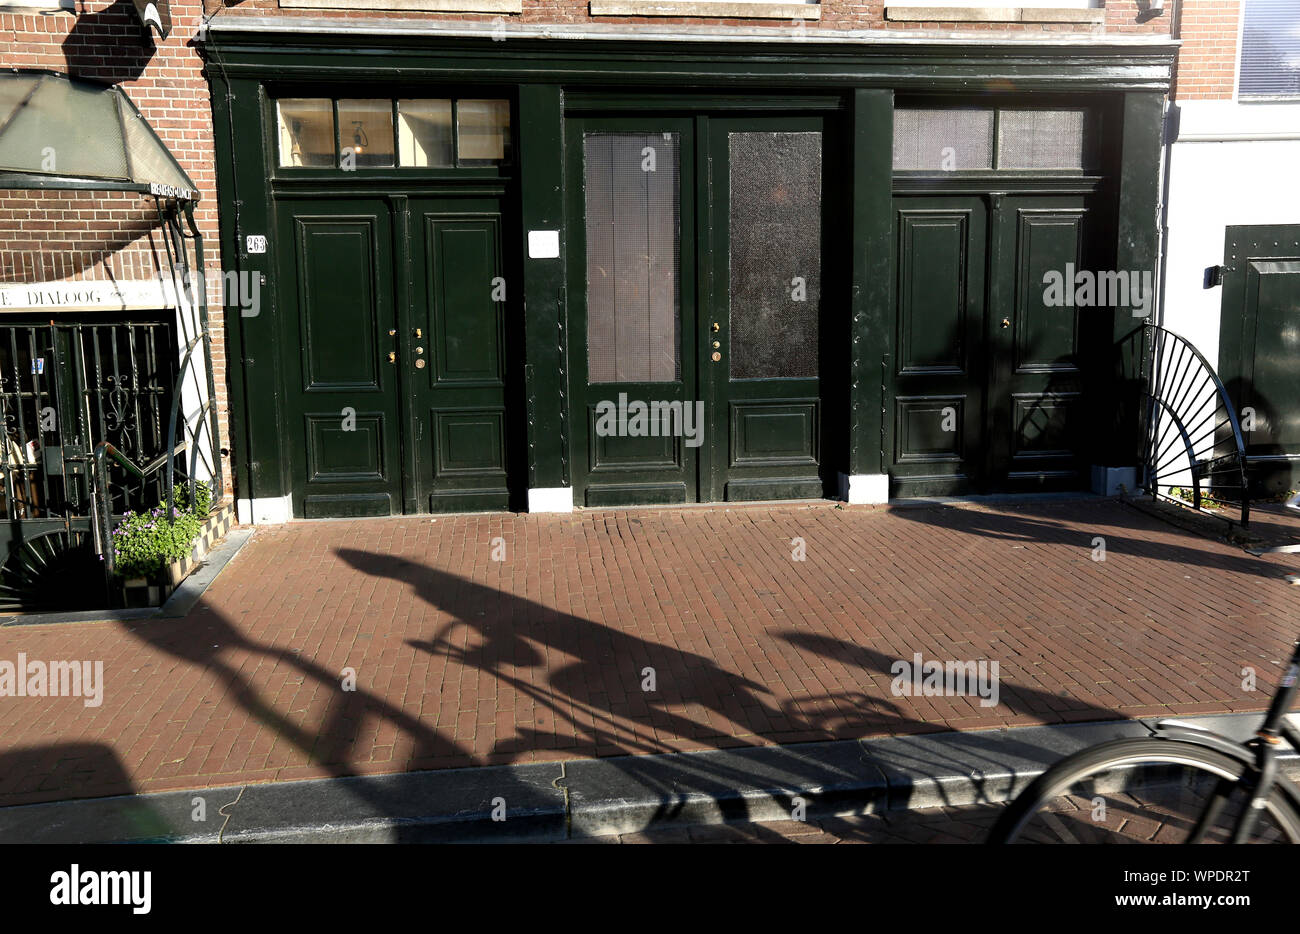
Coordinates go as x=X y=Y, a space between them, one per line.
x=65 y=388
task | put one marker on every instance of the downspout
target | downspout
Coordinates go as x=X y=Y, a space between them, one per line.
x=1169 y=131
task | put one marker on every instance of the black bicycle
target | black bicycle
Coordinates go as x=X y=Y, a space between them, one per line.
x=1181 y=784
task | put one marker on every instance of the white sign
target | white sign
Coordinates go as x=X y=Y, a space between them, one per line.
x=142 y=295
x=255 y=243
x=543 y=244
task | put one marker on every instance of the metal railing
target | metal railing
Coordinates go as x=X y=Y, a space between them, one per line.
x=1191 y=434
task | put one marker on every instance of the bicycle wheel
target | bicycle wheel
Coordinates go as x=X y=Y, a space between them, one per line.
x=1142 y=791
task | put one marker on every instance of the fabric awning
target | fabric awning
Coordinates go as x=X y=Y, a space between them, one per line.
x=58 y=132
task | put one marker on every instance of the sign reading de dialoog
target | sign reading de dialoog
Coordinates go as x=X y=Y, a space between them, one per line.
x=88 y=296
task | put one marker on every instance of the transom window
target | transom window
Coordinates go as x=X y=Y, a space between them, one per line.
x=385 y=133
x=949 y=139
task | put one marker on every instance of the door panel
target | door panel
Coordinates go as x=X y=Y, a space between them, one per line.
x=1259 y=355
x=940 y=376
x=341 y=407
x=1036 y=418
x=760 y=355
x=632 y=310
x=455 y=356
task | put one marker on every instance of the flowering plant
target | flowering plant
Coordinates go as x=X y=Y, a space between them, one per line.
x=146 y=542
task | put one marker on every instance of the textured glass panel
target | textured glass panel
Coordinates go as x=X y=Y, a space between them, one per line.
x=776 y=217
x=424 y=133
x=943 y=140
x=1040 y=139
x=482 y=132
x=633 y=233
x=366 y=129
x=306 y=132
x=1270 y=49
x=150 y=160
x=66 y=129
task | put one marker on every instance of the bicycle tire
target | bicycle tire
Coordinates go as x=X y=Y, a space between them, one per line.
x=1282 y=802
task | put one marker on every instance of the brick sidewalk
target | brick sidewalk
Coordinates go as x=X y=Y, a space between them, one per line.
x=462 y=660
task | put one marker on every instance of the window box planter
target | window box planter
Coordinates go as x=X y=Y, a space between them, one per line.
x=151 y=591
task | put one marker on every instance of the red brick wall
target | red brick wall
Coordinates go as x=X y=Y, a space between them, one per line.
x=51 y=236
x=1207 y=61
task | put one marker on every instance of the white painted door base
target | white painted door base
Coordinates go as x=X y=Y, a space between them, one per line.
x=864 y=488
x=550 y=499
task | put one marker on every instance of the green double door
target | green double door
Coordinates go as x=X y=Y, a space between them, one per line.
x=990 y=374
x=395 y=324
x=699 y=307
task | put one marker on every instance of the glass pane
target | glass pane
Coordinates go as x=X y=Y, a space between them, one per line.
x=943 y=140
x=424 y=133
x=776 y=270
x=150 y=161
x=633 y=235
x=306 y=132
x=366 y=133
x=1040 y=139
x=1270 y=49
x=66 y=129
x=482 y=132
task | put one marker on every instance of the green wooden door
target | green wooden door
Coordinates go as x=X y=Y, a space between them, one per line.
x=632 y=311
x=767 y=309
x=989 y=375
x=338 y=321
x=940 y=370
x=1035 y=417
x=696 y=308
x=462 y=323
x=1259 y=348
x=396 y=316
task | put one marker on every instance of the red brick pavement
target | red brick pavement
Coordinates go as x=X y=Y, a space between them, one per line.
x=462 y=660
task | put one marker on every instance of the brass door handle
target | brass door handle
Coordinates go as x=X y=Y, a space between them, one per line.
x=1006 y=322
x=392 y=356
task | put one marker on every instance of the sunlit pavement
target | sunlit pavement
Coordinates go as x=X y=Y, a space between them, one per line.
x=358 y=647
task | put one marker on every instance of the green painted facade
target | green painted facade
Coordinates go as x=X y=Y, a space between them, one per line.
x=511 y=409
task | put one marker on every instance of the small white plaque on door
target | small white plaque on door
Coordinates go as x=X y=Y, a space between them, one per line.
x=543 y=244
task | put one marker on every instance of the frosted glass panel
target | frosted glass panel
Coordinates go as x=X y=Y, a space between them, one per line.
x=633 y=234
x=1040 y=139
x=776 y=217
x=943 y=140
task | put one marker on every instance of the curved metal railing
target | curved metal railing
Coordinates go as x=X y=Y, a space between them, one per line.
x=1191 y=435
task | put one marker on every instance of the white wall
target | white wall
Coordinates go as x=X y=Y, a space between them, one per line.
x=1231 y=164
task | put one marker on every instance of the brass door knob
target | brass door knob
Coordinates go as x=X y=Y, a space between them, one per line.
x=716 y=356
x=392 y=356
x=1006 y=322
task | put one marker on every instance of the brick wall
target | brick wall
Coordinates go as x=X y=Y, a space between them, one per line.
x=55 y=236
x=1207 y=61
